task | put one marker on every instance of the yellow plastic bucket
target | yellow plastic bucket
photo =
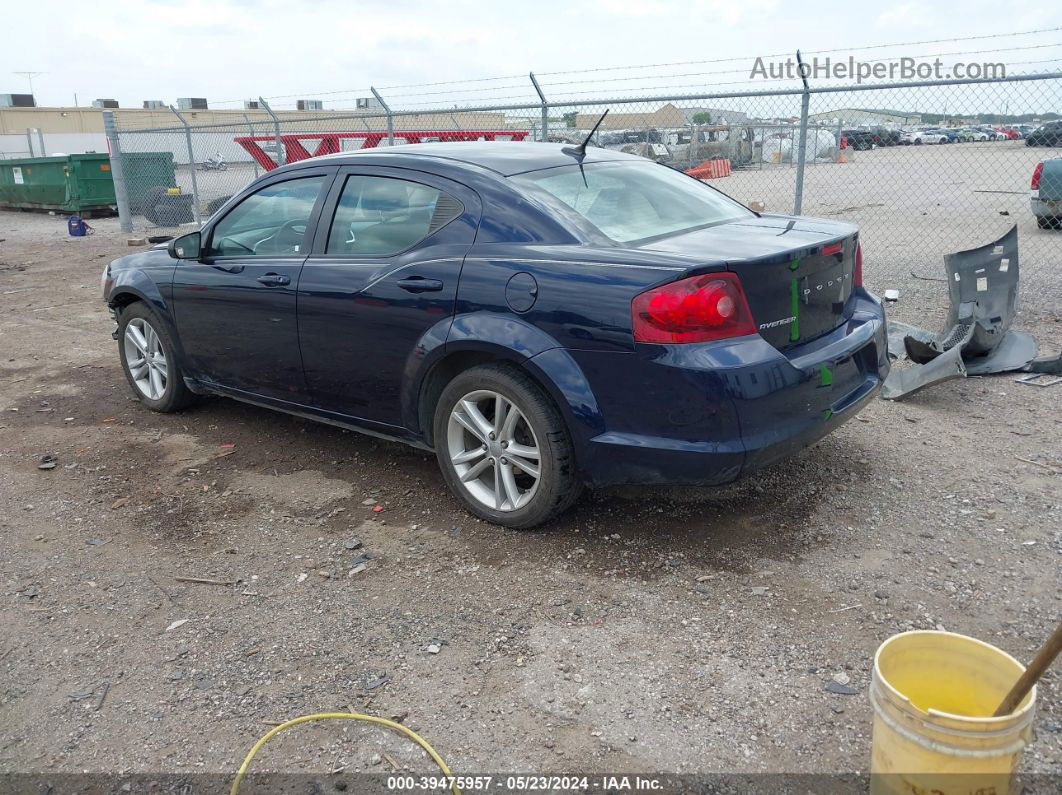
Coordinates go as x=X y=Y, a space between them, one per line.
x=933 y=695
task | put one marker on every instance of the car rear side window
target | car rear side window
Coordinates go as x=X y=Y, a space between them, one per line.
x=634 y=201
x=381 y=216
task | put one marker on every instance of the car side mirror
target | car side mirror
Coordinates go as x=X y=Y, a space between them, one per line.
x=186 y=246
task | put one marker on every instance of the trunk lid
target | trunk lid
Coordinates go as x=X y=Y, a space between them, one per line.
x=797 y=273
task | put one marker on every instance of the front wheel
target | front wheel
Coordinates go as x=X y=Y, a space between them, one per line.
x=149 y=359
x=504 y=448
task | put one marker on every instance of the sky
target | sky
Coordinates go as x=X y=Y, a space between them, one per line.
x=231 y=50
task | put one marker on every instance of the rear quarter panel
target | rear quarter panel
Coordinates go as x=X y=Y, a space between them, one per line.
x=582 y=303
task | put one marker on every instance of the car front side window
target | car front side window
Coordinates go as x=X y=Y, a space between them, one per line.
x=270 y=222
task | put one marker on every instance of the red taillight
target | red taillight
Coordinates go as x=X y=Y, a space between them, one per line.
x=697 y=309
x=857 y=273
x=833 y=248
x=1038 y=172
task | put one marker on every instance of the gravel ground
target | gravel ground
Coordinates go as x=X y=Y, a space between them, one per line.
x=646 y=630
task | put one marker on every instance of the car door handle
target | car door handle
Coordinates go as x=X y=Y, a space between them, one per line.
x=274 y=279
x=418 y=284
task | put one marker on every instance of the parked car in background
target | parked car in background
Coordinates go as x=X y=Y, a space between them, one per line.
x=967 y=134
x=621 y=137
x=540 y=317
x=1049 y=134
x=1046 y=187
x=992 y=133
x=1008 y=133
x=919 y=137
x=859 y=139
x=886 y=136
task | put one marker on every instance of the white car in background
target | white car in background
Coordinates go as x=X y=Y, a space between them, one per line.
x=923 y=137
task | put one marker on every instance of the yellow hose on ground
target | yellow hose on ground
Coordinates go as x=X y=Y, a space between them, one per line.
x=390 y=724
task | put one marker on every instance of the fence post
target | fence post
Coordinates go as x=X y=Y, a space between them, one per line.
x=802 y=152
x=29 y=140
x=545 y=108
x=281 y=154
x=390 y=118
x=121 y=190
x=191 y=166
x=250 y=129
x=40 y=137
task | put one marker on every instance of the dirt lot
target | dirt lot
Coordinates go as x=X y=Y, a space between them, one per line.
x=648 y=630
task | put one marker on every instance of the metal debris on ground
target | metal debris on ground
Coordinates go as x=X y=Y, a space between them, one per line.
x=379 y=681
x=48 y=461
x=1039 y=379
x=977 y=339
x=841 y=690
x=204 y=580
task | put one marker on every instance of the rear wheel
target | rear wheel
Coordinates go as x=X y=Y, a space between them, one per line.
x=1048 y=222
x=150 y=360
x=504 y=448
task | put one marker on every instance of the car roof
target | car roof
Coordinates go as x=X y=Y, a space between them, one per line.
x=504 y=157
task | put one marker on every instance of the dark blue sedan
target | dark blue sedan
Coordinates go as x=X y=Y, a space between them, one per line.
x=540 y=318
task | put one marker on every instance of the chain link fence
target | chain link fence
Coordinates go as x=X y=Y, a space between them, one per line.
x=923 y=168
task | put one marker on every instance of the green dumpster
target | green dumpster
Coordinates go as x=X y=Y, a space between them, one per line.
x=80 y=183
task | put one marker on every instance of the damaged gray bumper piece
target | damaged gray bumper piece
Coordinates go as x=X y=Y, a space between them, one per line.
x=978 y=340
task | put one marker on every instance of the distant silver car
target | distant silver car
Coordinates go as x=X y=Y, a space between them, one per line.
x=918 y=137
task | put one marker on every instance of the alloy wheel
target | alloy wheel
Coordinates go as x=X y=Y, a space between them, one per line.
x=493 y=450
x=146 y=359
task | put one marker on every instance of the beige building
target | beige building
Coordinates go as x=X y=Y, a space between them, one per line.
x=15 y=121
x=665 y=116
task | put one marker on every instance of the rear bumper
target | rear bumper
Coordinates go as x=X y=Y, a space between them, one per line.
x=707 y=414
x=1050 y=208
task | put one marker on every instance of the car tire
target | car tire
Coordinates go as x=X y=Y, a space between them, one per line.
x=1048 y=222
x=157 y=379
x=470 y=447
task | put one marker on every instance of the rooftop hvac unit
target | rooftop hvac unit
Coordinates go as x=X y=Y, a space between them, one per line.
x=309 y=104
x=367 y=103
x=17 y=101
x=154 y=104
x=105 y=103
x=191 y=103
x=252 y=104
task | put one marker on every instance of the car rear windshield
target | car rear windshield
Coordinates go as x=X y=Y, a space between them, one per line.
x=633 y=201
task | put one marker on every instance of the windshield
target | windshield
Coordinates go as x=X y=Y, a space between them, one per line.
x=633 y=201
